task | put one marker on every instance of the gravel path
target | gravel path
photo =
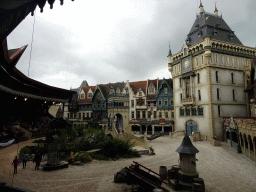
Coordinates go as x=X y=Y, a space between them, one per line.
x=222 y=169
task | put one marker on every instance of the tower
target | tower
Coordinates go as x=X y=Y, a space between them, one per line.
x=209 y=76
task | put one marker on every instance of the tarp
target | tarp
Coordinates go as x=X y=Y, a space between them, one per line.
x=4 y=144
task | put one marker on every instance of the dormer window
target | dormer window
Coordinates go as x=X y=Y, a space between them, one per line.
x=82 y=96
x=140 y=93
x=185 y=51
x=215 y=32
x=200 y=33
x=188 y=39
x=151 y=89
x=89 y=95
x=197 y=26
x=231 y=36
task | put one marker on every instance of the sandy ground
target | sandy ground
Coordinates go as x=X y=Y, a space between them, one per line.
x=222 y=169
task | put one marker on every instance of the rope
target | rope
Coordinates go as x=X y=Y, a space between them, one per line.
x=32 y=41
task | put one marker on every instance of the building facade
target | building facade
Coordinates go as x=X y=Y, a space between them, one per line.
x=209 y=76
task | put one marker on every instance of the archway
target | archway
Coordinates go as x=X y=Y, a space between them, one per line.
x=136 y=128
x=250 y=143
x=149 y=132
x=245 y=141
x=109 y=136
x=228 y=135
x=234 y=137
x=167 y=130
x=119 y=122
x=191 y=126
x=242 y=140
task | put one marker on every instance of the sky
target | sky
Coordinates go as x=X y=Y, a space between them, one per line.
x=113 y=41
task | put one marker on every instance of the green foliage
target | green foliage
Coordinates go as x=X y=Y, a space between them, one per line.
x=39 y=141
x=23 y=151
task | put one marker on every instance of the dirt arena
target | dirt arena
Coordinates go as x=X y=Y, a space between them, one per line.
x=222 y=169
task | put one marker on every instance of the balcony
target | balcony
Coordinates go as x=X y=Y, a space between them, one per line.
x=188 y=101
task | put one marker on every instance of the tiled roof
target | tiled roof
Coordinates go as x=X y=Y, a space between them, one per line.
x=187 y=146
x=86 y=100
x=104 y=89
x=136 y=85
x=119 y=85
x=210 y=25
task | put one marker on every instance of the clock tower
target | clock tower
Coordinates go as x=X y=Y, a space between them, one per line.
x=209 y=77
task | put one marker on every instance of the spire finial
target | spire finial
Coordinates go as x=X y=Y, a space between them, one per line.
x=216 y=10
x=170 y=52
x=201 y=9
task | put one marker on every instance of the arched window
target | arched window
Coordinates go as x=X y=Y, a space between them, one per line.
x=185 y=51
x=227 y=60
x=216 y=59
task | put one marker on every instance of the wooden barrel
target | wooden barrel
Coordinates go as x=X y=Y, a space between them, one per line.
x=200 y=181
x=197 y=187
x=173 y=172
x=163 y=172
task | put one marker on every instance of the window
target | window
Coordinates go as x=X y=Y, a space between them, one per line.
x=218 y=93
x=180 y=83
x=181 y=112
x=132 y=103
x=227 y=60
x=242 y=62
x=154 y=114
x=187 y=112
x=232 y=78
x=98 y=106
x=166 y=115
x=181 y=97
x=132 y=114
x=171 y=102
x=68 y=115
x=217 y=76
x=82 y=96
x=199 y=95
x=98 y=96
x=172 y=114
x=216 y=58
x=94 y=106
x=166 y=102
x=200 y=111
x=222 y=59
x=179 y=67
x=140 y=93
x=232 y=61
x=149 y=114
x=103 y=105
x=234 y=96
x=185 y=52
x=79 y=115
x=143 y=114
x=165 y=90
x=237 y=62
x=198 y=78
x=219 y=110
x=89 y=95
x=202 y=59
x=196 y=61
x=160 y=114
x=212 y=58
x=193 y=111
x=138 y=114
x=175 y=69
x=160 y=102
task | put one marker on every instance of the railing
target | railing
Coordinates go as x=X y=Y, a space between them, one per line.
x=188 y=101
x=118 y=95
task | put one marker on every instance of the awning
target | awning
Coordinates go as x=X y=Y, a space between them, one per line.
x=187 y=75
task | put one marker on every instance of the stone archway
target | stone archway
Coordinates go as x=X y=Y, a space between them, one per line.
x=119 y=122
x=191 y=126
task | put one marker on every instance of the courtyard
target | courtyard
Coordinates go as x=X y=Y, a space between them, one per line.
x=222 y=169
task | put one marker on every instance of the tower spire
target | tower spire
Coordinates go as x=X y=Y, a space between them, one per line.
x=170 y=52
x=201 y=9
x=216 y=10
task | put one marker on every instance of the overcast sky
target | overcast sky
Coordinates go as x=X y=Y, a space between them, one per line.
x=111 y=41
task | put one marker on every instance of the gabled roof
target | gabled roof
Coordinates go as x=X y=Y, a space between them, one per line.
x=169 y=84
x=139 y=84
x=86 y=99
x=117 y=85
x=187 y=146
x=207 y=23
